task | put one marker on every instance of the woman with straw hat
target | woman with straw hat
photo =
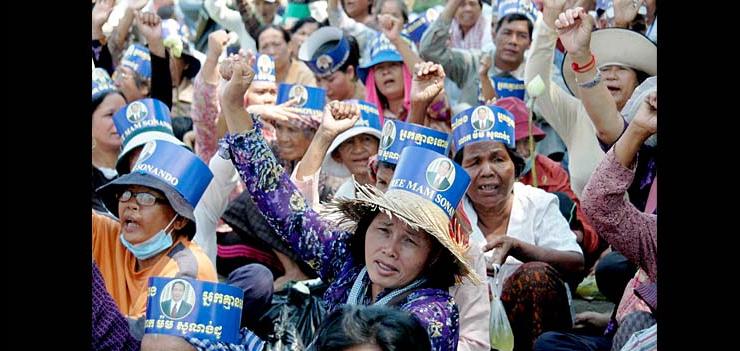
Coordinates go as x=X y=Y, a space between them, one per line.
x=393 y=248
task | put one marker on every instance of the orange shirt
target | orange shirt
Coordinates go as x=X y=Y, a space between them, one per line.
x=128 y=286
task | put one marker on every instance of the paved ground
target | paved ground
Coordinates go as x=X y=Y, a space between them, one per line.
x=597 y=306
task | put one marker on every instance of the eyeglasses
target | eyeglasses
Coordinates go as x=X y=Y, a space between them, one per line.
x=121 y=75
x=143 y=199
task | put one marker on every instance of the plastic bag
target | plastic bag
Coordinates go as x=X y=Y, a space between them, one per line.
x=295 y=315
x=502 y=337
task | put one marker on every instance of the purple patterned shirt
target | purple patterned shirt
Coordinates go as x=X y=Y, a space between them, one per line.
x=322 y=246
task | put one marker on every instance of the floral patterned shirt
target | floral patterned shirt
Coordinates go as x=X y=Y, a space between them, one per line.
x=322 y=246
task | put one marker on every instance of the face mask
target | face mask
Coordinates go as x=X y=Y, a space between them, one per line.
x=109 y=173
x=156 y=244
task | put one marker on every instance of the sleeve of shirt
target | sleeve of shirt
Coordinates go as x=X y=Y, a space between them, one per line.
x=213 y=204
x=338 y=18
x=308 y=186
x=438 y=315
x=474 y=305
x=161 y=79
x=457 y=63
x=557 y=106
x=204 y=110
x=321 y=246
x=630 y=231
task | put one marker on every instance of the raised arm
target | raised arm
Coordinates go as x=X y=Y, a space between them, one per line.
x=627 y=229
x=320 y=246
x=101 y=55
x=433 y=47
x=124 y=24
x=557 y=106
x=337 y=118
x=205 y=108
x=150 y=26
x=574 y=27
x=427 y=83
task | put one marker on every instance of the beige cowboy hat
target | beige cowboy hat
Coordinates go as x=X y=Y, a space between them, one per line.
x=616 y=46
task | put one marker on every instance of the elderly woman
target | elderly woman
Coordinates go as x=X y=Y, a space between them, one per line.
x=610 y=78
x=382 y=249
x=152 y=236
x=525 y=233
x=106 y=100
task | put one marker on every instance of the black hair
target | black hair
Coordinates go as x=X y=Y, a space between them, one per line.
x=445 y=266
x=402 y=4
x=286 y=34
x=181 y=125
x=98 y=100
x=299 y=23
x=178 y=282
x=517 y=159
x=352 y=59
x=516 y=17
x=391 y=329
x=641 y=76
x=369 y=7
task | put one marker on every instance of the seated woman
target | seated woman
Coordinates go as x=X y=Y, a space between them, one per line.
x=384 y=249
x=531 y=241
x=152 y=236
x=372 y=327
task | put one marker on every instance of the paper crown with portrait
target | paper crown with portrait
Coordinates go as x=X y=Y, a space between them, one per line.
x=322 y=60
x=102 y=84
x=424 y=192
x=483 y=123
x=396 y=135
x=140 y=122
x=137 y=58
x=169 y=168
x=368 y=123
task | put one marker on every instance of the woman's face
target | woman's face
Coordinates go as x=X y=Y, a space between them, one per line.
x=125 y=81
x=139 y=222
x=261 y=93
x=395 y=254
x=354 y=153
x=300 y=35
x=468 y=13
x=292 y=141
x=103 y=129
x=389 y=79
x=491 y=171
x=356 y=8
x=621 y=82
x=339 y=84
x=271 y=42
x=392 y=8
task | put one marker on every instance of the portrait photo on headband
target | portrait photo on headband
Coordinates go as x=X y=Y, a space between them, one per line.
x=177 y=299
x=482 y=118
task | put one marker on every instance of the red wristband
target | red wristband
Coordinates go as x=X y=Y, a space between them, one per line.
x=584 y=68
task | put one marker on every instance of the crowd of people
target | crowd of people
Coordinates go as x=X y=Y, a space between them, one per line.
x=423 y=166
